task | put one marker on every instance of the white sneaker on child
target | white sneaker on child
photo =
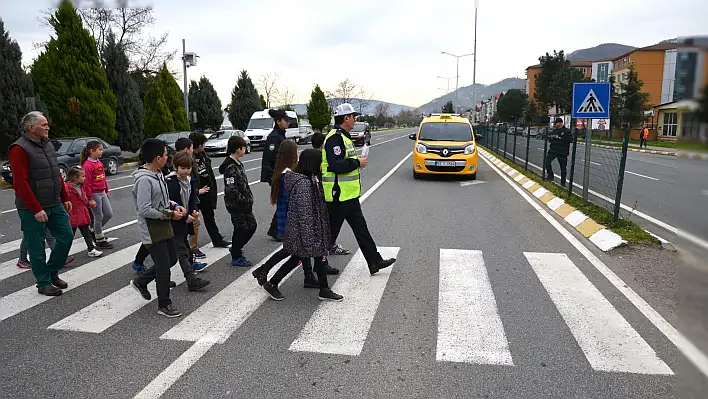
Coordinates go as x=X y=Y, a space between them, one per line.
x=94 y=253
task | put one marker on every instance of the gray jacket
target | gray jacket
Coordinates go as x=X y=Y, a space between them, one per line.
x=153 y=205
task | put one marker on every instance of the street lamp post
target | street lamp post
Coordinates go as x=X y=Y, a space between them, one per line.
x=188 y=60
x=448 y=82
x=457 y=74
x=474 y=66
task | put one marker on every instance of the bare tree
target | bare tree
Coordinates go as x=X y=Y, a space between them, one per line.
x=286 y=98
x=266 y=85
x=363 y=99
x=343 y=93
x=382 y=109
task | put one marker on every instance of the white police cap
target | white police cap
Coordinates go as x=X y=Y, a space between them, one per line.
x=345 y=109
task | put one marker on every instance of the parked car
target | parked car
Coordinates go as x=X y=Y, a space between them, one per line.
x=217 y=143
x=361 y=133
x=69 y=153
x=171 y=137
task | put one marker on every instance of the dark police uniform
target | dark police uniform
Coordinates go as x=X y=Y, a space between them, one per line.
x=270 y=152
x=559 y=149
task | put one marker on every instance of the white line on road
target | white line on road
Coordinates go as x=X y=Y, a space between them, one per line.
x=686 y=347
x=225 y=327
x=470 y=329
x=640 y=175
x=342 y=328
x=606 y=338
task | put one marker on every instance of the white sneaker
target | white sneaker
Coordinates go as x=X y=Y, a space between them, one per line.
x=94 y=253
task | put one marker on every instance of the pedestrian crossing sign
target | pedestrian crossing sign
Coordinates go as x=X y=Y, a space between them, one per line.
x=591 y=100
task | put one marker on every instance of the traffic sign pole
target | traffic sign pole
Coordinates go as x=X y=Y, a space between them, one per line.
x=586 y=170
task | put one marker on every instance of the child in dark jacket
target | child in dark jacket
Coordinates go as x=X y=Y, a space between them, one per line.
x=307 y=231
x=80 y=216
x=239 y=200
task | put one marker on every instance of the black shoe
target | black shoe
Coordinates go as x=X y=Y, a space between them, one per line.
x=197 y=284
x=311 y=281
x=49 y=290
x=173 y=284
x=142 y=290
x=331 y=270
x=59 y=283
x=273 y=291
x=259 y=275
x=222 y=244
x=329 y=295
x=275 y=237
x=381 y=265
x=104 y=244
x=169 y=311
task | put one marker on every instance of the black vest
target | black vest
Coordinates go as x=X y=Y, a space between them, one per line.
x=43 y=171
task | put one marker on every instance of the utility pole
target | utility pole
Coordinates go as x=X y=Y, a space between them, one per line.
x=184 y=67
x=474 y=66
x=457 y=75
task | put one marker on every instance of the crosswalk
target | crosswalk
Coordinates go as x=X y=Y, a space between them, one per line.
x=470 y=328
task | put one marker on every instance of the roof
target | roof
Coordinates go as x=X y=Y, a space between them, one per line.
x=655 y=47
x=445 y=118
x=572 y=63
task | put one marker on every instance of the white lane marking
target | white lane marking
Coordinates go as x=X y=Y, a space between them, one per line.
x=471 y=183
x=592 y=162
x=342 y=328
x=28 y=298
x=470 y=329
x=221 y=332
x=640 y=175
x=694 y=355
x=608 y=341
x=9 y=268
x=704 y=192
x=106 y=312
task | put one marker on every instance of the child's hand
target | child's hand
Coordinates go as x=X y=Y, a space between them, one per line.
x=190 y=219
x=204 y=190
x=92 y=204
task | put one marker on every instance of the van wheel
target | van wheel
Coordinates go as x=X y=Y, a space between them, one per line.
x=417 y=176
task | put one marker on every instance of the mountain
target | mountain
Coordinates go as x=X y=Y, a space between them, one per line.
x=607 y=50
x=393 y=109
x=466 y=93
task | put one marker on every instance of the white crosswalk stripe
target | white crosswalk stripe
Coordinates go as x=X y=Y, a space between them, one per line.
x=470 y=328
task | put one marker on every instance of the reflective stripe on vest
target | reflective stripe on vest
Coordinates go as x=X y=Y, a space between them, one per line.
x=348 y=183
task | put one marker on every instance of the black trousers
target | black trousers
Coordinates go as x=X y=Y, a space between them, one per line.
x=164 y=255
x=87 y=234
x=273 y=229
x=291 y=264
x=244 y=227
x=278 y=257
x=143 y=253
x=208 y=220
x=351 y=212
x=562 y=161
x=642 y=142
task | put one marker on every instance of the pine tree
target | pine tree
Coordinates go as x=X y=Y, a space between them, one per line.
x=72 y=83
x=173 y=98
x=193 y=98
x=244 y=102
x=318 y=111
x=263 y=102
x=130 y=111
x=448 y=108
x=207 y=105
x=158 y=118
x=14 y=86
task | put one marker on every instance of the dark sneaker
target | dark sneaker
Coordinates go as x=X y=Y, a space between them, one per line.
x=59 y=283
x=197 y=284
x=329 y=295
x=381 y=265
x=49 y=290
x=273 y=291
x=276 y=237
x=139 y=268
x=199 y=266
x=311 y=282
x=339 y=250
x=198 y=254
x=173 y=284
x=222 y=244
x=104 y=244
x=169 y=311
x=331 y=270
x=142 y=290
x=260 y=276
x=241 y=262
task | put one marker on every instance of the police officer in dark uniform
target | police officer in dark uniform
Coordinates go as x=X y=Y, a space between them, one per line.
x=559 y=139
x=342 y=186
x=270 y=151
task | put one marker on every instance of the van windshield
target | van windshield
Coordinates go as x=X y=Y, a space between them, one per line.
x=264 y=123
x=445 y=131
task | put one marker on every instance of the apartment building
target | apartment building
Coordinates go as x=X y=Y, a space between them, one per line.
x=584 y=66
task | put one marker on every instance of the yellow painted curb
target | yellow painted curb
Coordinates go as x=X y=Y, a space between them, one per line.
x=3 y=183
x=547 y=197
x=589 y=227
x=534 y=188
x=524 y=180
x=565 y=210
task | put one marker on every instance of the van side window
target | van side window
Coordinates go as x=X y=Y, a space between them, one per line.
x=293 y=123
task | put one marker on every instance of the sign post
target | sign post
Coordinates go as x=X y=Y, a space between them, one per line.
x=590 y=101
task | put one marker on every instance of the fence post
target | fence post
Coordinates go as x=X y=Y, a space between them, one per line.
x=506 y=134
x=528 y=144
x=545 y=150
x=620 y=177
x=497 y=139
x=572 y=164
x=513 y=151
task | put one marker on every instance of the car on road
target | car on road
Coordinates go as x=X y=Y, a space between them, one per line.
x=217 y=143
x=69 y=151
x=171 y=137
x=361 y=133
x=445 y=145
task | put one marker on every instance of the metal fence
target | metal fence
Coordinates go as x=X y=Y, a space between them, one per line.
x=601 y=170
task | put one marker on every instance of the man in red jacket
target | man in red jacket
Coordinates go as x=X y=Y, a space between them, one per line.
x=42 y=201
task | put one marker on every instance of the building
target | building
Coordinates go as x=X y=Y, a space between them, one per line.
x=584 y=66
x=655 y=66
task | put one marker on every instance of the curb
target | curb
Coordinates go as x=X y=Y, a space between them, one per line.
x=685 y=155
x=598 y=234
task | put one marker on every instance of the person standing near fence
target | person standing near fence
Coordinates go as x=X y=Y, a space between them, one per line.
x=559 y=139
x=643 y=136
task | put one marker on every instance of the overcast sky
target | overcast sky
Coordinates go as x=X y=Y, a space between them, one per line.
x=391 y=47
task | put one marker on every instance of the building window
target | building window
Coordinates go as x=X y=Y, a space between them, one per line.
x=670 y=123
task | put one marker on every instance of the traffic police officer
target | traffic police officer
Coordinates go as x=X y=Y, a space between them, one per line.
x=270 y=151
x=559 y=139
x=342 y=186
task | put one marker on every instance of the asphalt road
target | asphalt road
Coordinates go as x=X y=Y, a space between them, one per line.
x=671 y=191
x=489 y=298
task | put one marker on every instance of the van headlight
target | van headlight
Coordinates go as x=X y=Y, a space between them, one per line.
x=469 y=150
x=421 y=149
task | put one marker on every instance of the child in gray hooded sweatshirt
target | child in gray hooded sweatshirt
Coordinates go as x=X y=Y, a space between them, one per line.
x=155 y=210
